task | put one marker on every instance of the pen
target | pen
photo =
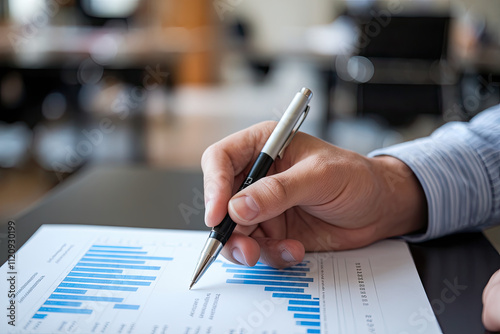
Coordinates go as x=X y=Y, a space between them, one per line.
x=275 y=145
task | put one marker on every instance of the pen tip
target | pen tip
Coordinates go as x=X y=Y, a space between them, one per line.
x=191 y=285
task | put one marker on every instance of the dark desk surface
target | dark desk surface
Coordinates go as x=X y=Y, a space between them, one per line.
x=453 y=270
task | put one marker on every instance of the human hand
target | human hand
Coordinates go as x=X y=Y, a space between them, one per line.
x=491 y=303
x=317 y=198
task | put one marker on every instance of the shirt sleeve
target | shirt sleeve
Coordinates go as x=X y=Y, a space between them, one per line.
x=458 y=167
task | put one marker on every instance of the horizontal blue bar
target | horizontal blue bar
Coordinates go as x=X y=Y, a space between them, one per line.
x=257 y=282
x=265 y=272
x=276 y=278
x=236 y=266
x=304 y=302
x=290 y=295
x=39 y=316
x=313 y=331
x=144 y=278
x=306 y=316
x=62 y=303
x=109 y=246
x=91 y=298
x=137 y=257
x=308 y=323
x=126 y=306
x=256 y=267
x=117 y=251
x=272 y=288
x=98 y=270
x=76 y=291
x=303 y=309
x=98 y=287
x=65 y=310
x=89 y=259
x=317 y=298
x=124 y=266
x=105 y=281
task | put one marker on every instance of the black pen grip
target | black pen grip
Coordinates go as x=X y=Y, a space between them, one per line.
x=223 y=231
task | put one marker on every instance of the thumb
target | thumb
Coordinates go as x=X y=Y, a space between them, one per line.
x=274 y=194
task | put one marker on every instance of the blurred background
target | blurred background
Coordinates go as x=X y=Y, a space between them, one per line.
x=155 y=82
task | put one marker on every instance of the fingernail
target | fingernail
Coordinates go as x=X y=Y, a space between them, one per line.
x=244 y=207
x=238 y=256
x=287 y=256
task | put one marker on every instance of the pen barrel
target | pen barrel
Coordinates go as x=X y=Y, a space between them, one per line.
x=223 y=231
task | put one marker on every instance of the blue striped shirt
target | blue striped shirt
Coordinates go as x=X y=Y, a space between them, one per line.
x=458 y=167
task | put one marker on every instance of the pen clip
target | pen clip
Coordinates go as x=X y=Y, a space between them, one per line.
x=294 y=131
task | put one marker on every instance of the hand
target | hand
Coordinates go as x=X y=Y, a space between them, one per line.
x=491 y=303
x=317 y=198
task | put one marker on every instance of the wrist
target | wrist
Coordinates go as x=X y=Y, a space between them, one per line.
x=403 y=203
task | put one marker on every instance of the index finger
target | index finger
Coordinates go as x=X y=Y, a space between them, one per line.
x=223 y=162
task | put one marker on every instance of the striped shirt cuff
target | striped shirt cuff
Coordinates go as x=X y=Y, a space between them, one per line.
x=458 y=167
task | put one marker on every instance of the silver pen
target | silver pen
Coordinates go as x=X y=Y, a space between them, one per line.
x=275 y=145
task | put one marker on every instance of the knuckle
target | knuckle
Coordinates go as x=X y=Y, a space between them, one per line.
x=276 y=189
x=208 y=154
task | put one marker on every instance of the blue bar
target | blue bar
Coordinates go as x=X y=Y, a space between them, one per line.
x=126 y=306
x=265 y=272
x=308 y=323
x=99 y=270
x=39 y=316
x=124 y=247
x=313 y=331
x=306 y=316
x=137 y=257
x=304 y=302
x=317 y=298
x=65 y=310
x=76 y=291
x=237 y=266
x=303 y=309
x=62 y=303
x=105 y=281
x=145 y=278
x=256 y=282
x=117 y=251
x=98 y=287
x=269 y=288
x=89 y=259
x=124 y=266
x=91 y=298
x=290 y=295
x=276 y=278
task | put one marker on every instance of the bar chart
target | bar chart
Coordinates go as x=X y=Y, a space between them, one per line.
x=103 y=268
x=89 y=279
x=293 y=284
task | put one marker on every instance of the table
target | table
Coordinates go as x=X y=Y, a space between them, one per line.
x=453 y=270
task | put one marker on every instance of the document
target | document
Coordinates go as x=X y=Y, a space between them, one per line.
x=89 y=279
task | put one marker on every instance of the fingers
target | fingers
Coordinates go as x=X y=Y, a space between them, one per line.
x=280 y=253
x=491 y=303
x=241 y=249
x=223 y=162
x=245 y=250
x=304 y=183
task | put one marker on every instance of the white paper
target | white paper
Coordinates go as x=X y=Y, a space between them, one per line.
x=88 y=279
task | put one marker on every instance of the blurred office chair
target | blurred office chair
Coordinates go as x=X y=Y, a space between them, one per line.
x=398 y=66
